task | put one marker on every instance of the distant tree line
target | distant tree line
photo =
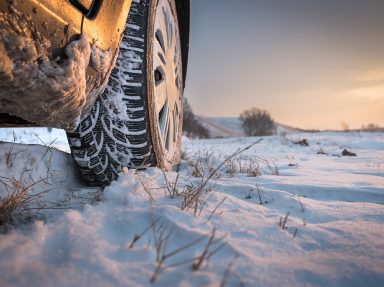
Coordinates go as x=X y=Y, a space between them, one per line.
x=372 y=128
x=192 y=127
x=257 y=122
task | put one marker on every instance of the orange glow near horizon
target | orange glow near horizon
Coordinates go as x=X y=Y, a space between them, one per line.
x=312 y=66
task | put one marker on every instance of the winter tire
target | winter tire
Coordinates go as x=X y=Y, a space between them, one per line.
x=137 y=120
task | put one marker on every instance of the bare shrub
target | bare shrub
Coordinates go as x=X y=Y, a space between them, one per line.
x=256 y=122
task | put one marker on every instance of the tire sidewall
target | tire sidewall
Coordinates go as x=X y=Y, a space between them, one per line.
x=164 y=160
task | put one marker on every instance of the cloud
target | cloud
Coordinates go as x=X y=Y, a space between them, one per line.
x=370 y=93
x=375 y=75
x=367 y=86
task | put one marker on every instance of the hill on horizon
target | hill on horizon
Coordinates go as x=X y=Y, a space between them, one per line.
x=225 y=127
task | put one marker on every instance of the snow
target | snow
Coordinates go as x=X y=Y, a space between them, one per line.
x=43 y=136
x=333 y=205
x=116 y=101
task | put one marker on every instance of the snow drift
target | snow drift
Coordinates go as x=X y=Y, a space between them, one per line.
x=306 y=219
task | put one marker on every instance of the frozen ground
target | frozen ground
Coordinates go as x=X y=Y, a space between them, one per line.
x=277 y=214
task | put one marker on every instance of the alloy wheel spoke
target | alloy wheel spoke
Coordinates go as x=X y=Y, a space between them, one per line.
x=166 y=126
x=161 y=96
x=159 y=51
x=164 y=120
x=163 y=25
x=160 y=66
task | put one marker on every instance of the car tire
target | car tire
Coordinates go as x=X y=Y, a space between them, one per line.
x=136 y=122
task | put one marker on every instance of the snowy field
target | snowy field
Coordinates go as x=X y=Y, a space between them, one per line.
x=277 y=214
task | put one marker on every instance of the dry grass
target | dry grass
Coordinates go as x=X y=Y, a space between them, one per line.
x=301 y=204
x=146 y=189
x=172 y=187
x=204 y=164
x=262 y=199
x=197 y=170
x=161 y=238
x=216 y=208
x=231 y=168
x=253 y=166
x=137 y=237
x=228 y=272
x=23 y=195
x=10 y=154
x=184 y=155
x=212 y=246
x=283 y=225
x=195 y=195
x=283 y=222
x=18 y=204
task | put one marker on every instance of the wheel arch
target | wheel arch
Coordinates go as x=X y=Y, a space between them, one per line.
x=183 y=15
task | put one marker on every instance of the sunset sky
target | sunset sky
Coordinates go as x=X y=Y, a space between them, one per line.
x=312 y=64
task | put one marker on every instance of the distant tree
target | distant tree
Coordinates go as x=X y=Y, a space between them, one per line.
x=191 y=126
x=344 y=126
x=256 y=122
x=371 y=128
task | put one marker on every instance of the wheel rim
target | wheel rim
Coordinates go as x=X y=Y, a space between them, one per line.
x=167 y=77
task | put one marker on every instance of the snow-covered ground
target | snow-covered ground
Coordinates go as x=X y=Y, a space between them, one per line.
x=41 y=136
x=278 y=214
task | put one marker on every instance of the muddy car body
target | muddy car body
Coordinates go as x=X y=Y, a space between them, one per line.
x=43 y=65
x=56 y=59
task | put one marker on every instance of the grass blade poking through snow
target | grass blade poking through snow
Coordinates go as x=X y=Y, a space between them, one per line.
x=193 y=195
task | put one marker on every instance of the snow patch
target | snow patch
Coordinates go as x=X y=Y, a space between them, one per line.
x=332 y=236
